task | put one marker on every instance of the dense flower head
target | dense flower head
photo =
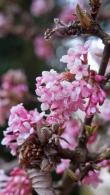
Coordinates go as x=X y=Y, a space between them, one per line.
x=21 y=125
x=16 y=183
x=63 y=97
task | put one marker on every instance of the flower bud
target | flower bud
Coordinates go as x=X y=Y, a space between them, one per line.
x=44 y=134
x=84 y=18
x=90 y=130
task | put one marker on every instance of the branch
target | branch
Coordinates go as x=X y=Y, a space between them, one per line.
x=76 y=29
x=105 y=155
x=105 y=59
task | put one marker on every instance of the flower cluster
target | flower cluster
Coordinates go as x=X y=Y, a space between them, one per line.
x=62 y=94
x=21 y=125
x=56 y=136
x=16 y=183
x=12 y=91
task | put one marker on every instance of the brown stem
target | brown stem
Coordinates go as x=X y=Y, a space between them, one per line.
x=66 y=153
x=105 y=155
x=105 y=59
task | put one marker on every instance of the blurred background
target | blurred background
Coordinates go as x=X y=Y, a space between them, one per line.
x=22 y=47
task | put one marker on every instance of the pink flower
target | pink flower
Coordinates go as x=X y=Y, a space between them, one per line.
x=39 y=7
x=43 y=48
x=60 y=96
x=16 y=183
x=92 y=179
x=80 y=71
x=22 y=124
x=75 y=56
x=63 y=97
x=97 y=98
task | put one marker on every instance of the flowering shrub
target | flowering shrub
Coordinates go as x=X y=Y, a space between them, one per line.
x=63 y=132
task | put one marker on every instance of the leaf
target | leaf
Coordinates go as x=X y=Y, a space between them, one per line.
x=90 y=130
